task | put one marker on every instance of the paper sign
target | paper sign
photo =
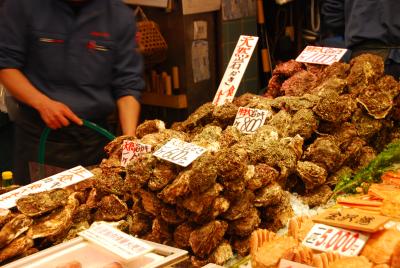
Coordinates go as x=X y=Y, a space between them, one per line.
x=60 y=180
x=152 y=3
x=327 y=238
x=248 y=120
x=179 y=152
x=112 y=239
x=321 y=55
x=235 y=70
x=196 y=6
x=291 y=264
x=352 y=219
x=132 y=149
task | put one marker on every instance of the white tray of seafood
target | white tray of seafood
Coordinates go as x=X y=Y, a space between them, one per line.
x=79 y=253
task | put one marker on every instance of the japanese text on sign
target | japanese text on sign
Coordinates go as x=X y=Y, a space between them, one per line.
x=179 y=152
x=326 y=238
x=60 y=180
x=112 y=239
x=321 y=55
x=235 y=70
x=248 y=120
x=131 y=149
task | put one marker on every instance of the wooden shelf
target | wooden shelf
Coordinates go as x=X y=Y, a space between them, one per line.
x=169 y=101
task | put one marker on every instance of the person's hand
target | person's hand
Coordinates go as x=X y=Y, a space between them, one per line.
x=57 y=115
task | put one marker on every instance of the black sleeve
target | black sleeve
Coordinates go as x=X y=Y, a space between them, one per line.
x=333 y=19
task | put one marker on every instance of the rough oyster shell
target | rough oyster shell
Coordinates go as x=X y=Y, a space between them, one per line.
x=311 y=174
x=14 y=228
x=149 y=126
x=377 y=102
x=111 y=208
x=39 y=203
x=325 y=152
x=269 y=195
x=16 y=247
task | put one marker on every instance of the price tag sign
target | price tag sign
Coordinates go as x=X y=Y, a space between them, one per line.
x=179 y=152
x=291 y=264
x=132 y=149
x=321 y=55
x=248 y=120
x=60 y=180
x=326 y=238
x=235 y=70
x=112 y=239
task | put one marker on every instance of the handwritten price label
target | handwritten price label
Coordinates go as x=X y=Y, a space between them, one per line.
x=112 y=239
x=321 y=55
x=131 y=149
x=248 y=120
x=179 y=152
x=326 y=238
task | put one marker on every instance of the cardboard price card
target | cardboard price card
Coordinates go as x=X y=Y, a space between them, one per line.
x=112 y=239
x=321 y=55
x=132 y=149
x=291 y=264
x=352 y=219
x=60 y=180
x=235 y=70
x=327 y=238
x=179 y=152
x=248 y=120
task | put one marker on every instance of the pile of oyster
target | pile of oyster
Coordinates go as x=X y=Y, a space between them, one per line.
x=325 y=121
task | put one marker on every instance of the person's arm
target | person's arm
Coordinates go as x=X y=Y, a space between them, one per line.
x=128 y=111
x=13 y=46
x=127 y=81
x=54 y=114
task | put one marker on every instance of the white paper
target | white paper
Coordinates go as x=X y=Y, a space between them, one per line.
x=235 y=70
x=248 y=120
x=200 y=6
x=327 y=238
x=151 y=3
x=199 y=29
x=179 y=152
x=200 y=61
x=112 y=239
x=132 y=149
x=321 y=55
x=60 y=180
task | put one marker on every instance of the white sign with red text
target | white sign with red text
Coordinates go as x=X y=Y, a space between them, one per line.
x=132 y=149
x=112 y=239
x=60 y=180
x=235 y=70
x=180 y=152
x=321 y=55
x=327 y=238
x=248 y=120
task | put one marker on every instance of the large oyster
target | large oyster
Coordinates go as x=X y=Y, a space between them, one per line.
x=324 y=152
x=182 y=235
x=16 y=247
x=199 y=202
x=311 y=174
x=205 y=239
x=300 y=83
x=163 y=173
x=204 y=173
x=56 y=222
x=148 y=127
x=13 y=229
x=111 y=208
x=377 y=102
x=179 y=187
x=269 y=195
x=39 y=203
x=140 y=223
x=303 y=123
x=262 y=175
x=209 y=138
x=240 y=206
x=244 y=226
x=333 y=107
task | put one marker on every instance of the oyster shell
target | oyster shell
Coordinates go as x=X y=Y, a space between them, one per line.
x=148 y=127
x=377 y=102
x=300 y=83
x=303 y=123
x=199 y=202
x=182 y=235
x=179 y=187
x=204 y=173
x=16 y=247
x=219 y=256
x=204 y=240
x=111 y=208
x=311 y=174
x=325 y=152
x=245 y=226
x=240 y=206
x=163 y=174
x=39 y=203
x=269 y=195
x=56 y=222
x=14 y=228
x=209 y=138
x=263 y=175
x=140 y=223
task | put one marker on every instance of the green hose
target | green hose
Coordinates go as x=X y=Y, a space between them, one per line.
x=46 y=132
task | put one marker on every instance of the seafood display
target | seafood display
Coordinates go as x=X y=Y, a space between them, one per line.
x=325 y=122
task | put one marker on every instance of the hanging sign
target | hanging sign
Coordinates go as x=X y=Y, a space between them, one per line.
x=248 y=120
x=321 y=55
x=60 y=180
x=112 y=239
x=132 y=149
x=235 y=70
x=327 y=238
x=179 y=152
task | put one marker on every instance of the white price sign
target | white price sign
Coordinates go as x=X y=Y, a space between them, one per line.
x=60 y=180
x=112 y=239
x=321 y=55
x=248 y=120
x=132 y=149
x=235 y=70
x=327 y=238
x=179 y=152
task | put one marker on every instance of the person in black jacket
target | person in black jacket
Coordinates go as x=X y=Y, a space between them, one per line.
x=64 y=61
x=368 y=26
